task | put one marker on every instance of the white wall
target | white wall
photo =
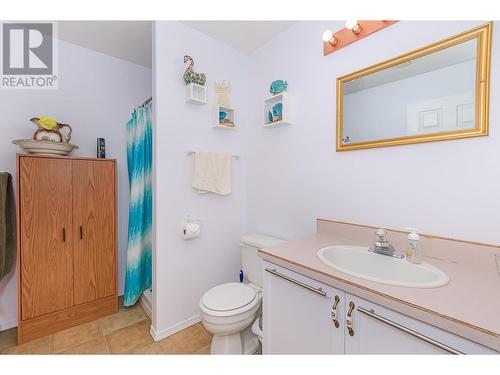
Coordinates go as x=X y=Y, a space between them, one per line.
x=95 y=96
x=184 y=270
x=449 y=188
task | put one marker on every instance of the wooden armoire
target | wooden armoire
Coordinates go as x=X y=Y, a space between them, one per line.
x=66 y=242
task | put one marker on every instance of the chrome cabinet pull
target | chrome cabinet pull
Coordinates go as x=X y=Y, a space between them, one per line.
x=348 y=321
x=296 y=282
x=371 y=314
x=334 y=311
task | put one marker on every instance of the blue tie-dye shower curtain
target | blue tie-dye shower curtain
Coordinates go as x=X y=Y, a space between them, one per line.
x=139 y=159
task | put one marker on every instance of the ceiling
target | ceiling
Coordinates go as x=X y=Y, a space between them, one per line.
x=245 y=36
x=127 y=40
x=132 y=40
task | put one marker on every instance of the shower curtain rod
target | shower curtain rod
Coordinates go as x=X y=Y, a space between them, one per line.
x=144 y=102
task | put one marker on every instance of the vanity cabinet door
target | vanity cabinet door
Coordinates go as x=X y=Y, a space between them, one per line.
x=378 y=330
x=297 y=314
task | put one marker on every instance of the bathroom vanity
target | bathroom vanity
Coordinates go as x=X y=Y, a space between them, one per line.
x=310 y=308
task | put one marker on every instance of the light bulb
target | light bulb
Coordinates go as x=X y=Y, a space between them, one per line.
x=329 y=38
x=350 y=24
x=327 y=35
x=353 y=25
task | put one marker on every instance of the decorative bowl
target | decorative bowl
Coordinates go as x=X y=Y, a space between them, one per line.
x=32 y=146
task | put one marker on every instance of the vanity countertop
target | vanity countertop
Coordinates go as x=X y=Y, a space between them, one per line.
x=469 y=305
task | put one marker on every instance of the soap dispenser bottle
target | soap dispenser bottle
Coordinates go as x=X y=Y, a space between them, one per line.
x=413 y=253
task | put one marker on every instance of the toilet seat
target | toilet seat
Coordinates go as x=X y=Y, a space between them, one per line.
x=228 y=310
x=229 y=299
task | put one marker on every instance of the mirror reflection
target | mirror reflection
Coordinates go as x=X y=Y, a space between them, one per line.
x=430 y=94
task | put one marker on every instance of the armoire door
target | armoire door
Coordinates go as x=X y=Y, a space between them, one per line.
x=94 y=230
x=46 y=236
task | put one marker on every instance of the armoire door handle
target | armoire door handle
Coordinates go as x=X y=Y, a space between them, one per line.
x=81 y=232
x=64 y=234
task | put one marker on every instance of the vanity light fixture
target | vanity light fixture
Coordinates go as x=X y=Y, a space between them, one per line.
x=329 y=38
x=353 y=31
x=354 y=26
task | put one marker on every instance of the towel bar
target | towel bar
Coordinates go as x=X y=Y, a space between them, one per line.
x=193 y=152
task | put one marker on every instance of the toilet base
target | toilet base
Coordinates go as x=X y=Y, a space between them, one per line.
x=244 y=342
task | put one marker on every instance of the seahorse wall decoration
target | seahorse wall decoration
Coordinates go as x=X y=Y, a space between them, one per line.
x=190 y=76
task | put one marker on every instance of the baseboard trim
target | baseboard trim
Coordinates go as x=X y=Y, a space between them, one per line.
x=164 y=333
x=8 y=324
x=145 y=301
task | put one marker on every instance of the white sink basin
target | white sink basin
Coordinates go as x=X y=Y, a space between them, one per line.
x=358 y=261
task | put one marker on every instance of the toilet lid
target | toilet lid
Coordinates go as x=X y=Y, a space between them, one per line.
x=227 y=297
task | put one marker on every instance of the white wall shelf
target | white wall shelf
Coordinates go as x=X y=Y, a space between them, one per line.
x=276 y=124
x=288 y=110
x=196 y=94
x=229 y=121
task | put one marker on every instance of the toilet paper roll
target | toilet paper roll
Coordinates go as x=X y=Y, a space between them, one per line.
x=191 y=230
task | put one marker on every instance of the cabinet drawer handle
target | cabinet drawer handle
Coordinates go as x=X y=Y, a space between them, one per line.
x=81 y=232
x=296 y=282
x=348 y=321
x=64 y=234
x=371 y=314
x=334 y=311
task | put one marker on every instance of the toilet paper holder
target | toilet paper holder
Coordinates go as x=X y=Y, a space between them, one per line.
x=189 y=219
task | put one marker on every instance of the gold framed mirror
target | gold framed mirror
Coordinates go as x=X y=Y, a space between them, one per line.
x=434 y=93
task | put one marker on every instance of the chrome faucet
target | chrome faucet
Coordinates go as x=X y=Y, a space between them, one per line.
x=382 y=246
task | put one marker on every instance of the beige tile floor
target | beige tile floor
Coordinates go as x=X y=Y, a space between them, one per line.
x=126 y=332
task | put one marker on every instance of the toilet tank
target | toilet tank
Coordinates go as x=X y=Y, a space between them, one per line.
x=251 y=262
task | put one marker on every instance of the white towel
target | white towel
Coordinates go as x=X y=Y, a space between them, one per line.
x=212 y=172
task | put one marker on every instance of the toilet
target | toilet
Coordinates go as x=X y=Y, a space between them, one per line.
x=229 y=310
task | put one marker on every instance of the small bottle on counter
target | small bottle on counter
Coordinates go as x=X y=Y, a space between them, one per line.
x=413 y=253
